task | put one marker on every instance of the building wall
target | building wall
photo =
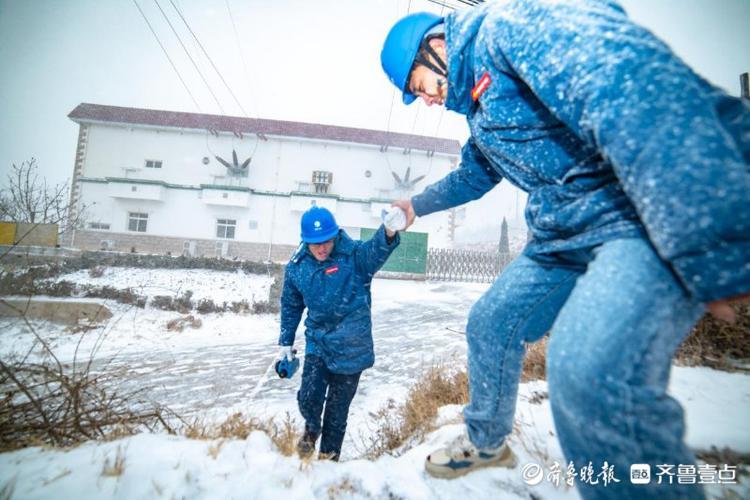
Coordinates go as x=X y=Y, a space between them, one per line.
x=186 y=196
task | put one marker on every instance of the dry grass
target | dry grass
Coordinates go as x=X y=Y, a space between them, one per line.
x=283 y=434
x=712 y=342
x=717 y=344
x=343 y=489
x=534 y=362
x=115 y=468
x=440 y=385
x=214 y=449
x=179 y=324
x=398 y=424
x=720 y=457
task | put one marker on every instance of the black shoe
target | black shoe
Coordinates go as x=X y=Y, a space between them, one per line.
x=306 y=444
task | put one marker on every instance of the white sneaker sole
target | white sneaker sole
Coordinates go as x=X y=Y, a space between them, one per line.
x=507 y=460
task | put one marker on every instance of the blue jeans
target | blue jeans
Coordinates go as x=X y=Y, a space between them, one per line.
x=617 y=314
x=320 y=387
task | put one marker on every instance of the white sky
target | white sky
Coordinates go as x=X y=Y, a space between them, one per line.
x=310 y=61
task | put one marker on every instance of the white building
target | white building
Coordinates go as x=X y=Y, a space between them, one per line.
x=161 y=181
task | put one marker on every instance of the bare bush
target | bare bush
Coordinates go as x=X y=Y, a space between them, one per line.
x=265 y=307
x=47 y=402
x=207 y=306
x=179 y=324
x=96 y=271
x=241 y=306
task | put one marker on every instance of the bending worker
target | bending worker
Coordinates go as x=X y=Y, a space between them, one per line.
x=638 y=177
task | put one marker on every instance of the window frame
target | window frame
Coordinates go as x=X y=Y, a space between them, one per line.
x=138 y=218
x=226 y=225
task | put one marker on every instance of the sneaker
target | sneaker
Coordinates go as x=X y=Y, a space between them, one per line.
x=306 y=444
x=461 y=457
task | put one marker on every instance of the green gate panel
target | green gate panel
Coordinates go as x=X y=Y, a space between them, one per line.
x=409 y=257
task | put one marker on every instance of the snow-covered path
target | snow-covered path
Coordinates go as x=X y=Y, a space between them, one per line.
x=198 y=378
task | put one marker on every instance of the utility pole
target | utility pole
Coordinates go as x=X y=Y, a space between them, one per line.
x=745 y=85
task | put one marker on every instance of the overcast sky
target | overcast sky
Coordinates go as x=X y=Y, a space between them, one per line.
x=300 y=60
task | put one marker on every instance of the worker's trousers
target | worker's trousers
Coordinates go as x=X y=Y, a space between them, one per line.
x=616 y=314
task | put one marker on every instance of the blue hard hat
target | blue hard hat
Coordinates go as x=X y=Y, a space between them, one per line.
x=318 y=225
x=401 y=47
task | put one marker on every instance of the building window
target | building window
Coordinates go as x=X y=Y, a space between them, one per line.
x=153 y=163
x=100 y=226
x=225 y=228
x=137 y=221
x=322 y=180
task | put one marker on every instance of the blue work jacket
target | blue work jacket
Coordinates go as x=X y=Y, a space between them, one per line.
x=609 y=133
x=336 y=293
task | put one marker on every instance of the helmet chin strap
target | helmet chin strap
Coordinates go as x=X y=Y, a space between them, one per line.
x=442 y=70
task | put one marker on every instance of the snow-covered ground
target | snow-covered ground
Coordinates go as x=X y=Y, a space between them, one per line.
x=220 y=286
x=223 y=367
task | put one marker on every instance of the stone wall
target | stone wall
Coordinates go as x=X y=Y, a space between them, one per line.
x=151 y=244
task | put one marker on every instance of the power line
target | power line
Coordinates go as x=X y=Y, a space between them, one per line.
x=168 y=58
x=242 y=56
x=189 y=56
x=209 y=58
x=470 y=3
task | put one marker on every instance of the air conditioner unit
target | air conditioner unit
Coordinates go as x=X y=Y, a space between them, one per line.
x=107 y=245
x=222 y=248
x=188 y=248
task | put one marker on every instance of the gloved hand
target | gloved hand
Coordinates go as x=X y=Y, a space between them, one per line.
x=286 y=352
x=394 y=219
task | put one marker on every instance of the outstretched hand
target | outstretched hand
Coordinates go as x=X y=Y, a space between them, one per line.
x=405 y=205
x=722 y=309
x=286 y=352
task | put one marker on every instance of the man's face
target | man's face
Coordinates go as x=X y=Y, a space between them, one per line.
x=321 y=251
x=425 y=83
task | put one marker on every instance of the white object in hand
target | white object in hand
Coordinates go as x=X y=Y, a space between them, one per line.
x=286 y=352
x=394 y=218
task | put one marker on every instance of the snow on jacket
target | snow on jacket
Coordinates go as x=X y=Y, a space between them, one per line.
x=336 y=293
x=609 y=132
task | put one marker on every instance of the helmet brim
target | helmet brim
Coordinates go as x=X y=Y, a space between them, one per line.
x=322 y=237
x=408 y=98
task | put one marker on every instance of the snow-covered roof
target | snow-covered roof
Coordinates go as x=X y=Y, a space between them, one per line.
x=87 y=112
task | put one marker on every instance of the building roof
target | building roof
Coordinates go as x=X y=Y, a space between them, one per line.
x=86 y=112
